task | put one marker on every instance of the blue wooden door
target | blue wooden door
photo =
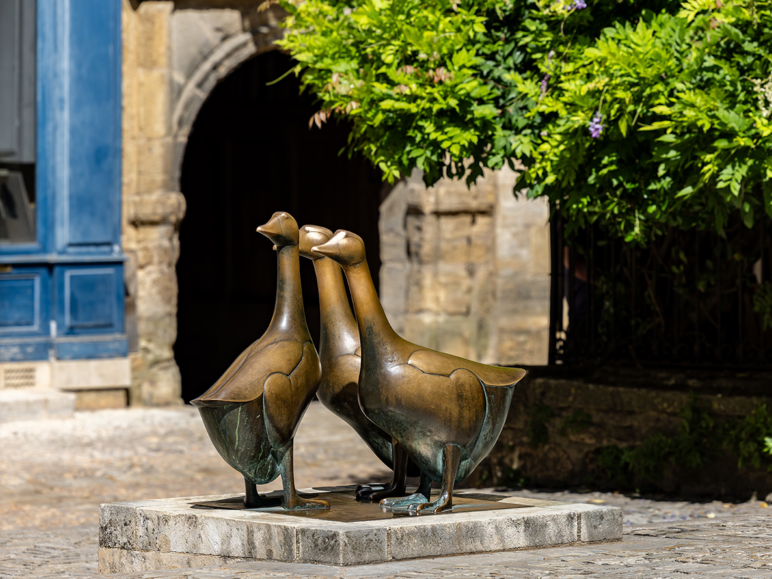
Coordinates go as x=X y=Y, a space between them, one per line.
x=62 y=294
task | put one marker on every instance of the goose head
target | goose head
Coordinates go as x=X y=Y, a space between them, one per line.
x=310 y=236
x=282 y=229
x=345 y=248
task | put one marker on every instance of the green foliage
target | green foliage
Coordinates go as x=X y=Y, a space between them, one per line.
x=699 y=439
x=649 y=459
x=747 y=438
x=407 y=73
x=538 y=433
x=576 y=422
x=454 y=87
x=612 y=459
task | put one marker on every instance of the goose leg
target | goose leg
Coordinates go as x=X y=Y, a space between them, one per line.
x=451 y=458
x=374 y=492
x=291 y=498
x=252 y=499
x=421 y=495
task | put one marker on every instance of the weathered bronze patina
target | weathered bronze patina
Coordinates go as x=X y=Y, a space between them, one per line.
x=252 y=412
x=447 y=412
x=346 y=508
x=340 y=354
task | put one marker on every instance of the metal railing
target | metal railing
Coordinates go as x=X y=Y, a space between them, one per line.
x=688 y=298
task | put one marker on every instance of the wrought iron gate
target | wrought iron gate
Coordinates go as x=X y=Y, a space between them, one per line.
x=687 y=299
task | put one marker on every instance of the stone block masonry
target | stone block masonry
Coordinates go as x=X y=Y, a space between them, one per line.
x=170 y=533
x=466 y=270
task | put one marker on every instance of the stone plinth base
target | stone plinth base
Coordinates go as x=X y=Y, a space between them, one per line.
x=202 y=531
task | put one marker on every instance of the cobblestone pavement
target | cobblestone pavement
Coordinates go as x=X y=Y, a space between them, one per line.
x=54 y=474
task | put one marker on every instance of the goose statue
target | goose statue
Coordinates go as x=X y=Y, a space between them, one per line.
x=252 y=412
x=340 y=354
x=447 y=412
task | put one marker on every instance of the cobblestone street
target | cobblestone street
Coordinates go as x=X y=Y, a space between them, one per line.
x=54 y=474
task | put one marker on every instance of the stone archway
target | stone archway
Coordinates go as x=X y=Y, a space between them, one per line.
x=173 y=56
x=251 y=153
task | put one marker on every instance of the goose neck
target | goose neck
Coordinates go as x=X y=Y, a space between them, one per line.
x=288 y=312
x=338 y=326
x=369 y=312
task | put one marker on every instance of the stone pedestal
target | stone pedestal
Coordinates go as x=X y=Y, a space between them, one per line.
x=202 y=531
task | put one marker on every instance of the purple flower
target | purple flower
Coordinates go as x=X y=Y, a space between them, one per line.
x=576 y=5
x=595 y=125
x=544 y=83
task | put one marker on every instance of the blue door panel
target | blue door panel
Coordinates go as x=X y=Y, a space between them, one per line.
x=94 y=137
x=19 y=302
x=24 y=314
x=24 y=302
x=89 y=299
x=94 y=347
x=23 y=349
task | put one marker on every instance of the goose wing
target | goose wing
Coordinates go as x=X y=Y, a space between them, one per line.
x=432 y=362
x=245 y=380
x=287 y=395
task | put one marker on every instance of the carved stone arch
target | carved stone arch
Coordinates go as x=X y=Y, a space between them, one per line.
x=197 y=69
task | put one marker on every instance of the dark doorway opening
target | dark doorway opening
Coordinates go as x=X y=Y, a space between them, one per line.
x=250 y=154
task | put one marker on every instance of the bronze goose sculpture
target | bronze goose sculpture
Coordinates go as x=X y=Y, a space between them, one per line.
x=252 y=412
x=446 y=411
x=340 y=355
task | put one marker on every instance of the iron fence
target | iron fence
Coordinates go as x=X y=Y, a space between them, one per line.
x=689 y=298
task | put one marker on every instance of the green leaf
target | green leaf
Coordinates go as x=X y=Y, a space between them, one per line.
x=623 y=126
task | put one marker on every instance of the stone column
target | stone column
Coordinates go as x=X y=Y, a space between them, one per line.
x=152 y=210
x=174 y=55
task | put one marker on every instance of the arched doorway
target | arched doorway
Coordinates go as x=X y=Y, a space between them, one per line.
x=250 y=154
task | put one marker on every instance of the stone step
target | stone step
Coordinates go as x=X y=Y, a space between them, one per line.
x=35 y=404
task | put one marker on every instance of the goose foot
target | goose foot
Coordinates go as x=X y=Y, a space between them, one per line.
x=409 y=503
x=396 y=488
x=301 y=503
x=404 y=504
x=451 y=458
x=291 y=498
x=443 y=503
x=365 y=491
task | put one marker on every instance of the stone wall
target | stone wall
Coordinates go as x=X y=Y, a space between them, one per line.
x=466 y=271
x=174 y=53
x=559 y=426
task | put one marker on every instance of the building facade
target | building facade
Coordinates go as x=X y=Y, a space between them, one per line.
x=465 y=271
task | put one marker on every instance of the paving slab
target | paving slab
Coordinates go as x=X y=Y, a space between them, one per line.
x=35 y=404
x=202 y=531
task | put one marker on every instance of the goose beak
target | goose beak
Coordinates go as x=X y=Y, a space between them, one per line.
x=326 y=249
x=273 y=227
